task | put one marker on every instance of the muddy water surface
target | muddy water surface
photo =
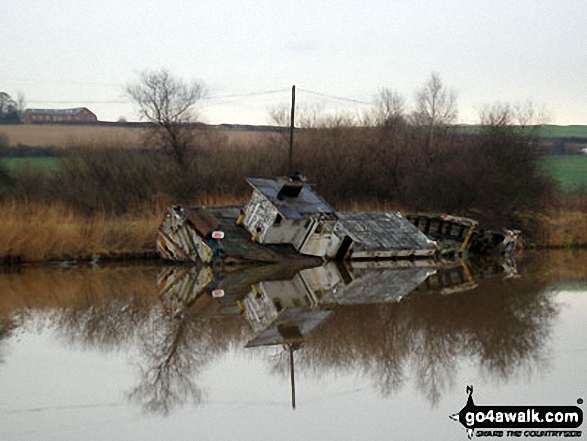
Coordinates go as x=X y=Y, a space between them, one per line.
x=328 y=353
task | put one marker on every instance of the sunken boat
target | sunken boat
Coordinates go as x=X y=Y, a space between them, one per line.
x=457 y=235
x=285 y=219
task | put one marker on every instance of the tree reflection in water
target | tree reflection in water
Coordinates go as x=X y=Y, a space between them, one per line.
x=173 y=352
x=6 y=327
x=502 y=326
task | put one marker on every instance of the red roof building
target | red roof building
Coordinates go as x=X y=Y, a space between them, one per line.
x=79 y=114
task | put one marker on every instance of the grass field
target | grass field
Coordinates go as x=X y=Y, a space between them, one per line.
x=549 y=131
x=63 y=136
x=46 y=163
x=546 y=131
x=70 y=135
x=569 y=170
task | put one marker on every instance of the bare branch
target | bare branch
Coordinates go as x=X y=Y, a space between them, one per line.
x=170 y=104
x=435 y=104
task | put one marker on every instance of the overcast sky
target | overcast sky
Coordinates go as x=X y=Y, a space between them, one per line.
x=70 y=53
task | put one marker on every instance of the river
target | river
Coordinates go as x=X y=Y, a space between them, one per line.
x=373 y=351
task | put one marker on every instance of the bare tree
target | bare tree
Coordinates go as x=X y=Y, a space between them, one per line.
x=169 y=104
x=435 y=106
x=496 y=115
x=509 y=172
x=526 y=116
x=390 y=108
x=389 y=119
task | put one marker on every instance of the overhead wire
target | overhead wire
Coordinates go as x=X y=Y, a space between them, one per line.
x=216 y=100
x=340 y=98
x=205 y=98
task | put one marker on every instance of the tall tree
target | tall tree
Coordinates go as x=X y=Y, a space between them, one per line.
x=169 y=103
x=390 y=109
x=436 y=107
x=390 y=146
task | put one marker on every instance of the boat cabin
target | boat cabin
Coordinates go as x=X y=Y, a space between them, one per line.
x=286 y=211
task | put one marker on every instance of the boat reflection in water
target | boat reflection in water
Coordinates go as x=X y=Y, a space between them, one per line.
x=384 y=319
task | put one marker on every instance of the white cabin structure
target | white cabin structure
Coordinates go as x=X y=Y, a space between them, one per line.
x=288 y=211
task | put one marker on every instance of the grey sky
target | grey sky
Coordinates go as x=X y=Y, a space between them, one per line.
x=67 y=53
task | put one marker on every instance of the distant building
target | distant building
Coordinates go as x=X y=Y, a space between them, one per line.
x=79 y=114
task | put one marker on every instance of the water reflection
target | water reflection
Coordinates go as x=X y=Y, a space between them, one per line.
x=172 y=354
x=390 y=322
x=337 y=317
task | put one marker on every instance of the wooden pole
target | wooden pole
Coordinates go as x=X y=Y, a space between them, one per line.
x=291 y=129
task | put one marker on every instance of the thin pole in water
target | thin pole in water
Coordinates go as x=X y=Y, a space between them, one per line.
x=292 y=376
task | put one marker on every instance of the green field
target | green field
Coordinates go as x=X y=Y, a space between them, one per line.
x=569 y=170
x=45 y=163
x=545 y=131
x=549 y=131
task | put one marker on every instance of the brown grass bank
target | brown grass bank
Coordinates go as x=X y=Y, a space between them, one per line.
x=39 y=232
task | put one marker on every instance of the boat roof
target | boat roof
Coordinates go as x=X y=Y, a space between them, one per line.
x=291 y=207
x=382 y=231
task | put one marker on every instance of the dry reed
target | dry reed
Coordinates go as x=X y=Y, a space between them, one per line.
x=39 y=232
x=566 y=228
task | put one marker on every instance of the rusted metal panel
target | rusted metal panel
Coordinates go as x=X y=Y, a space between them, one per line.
x=457 y=234
x=178 y=240
x=203 y=221
x=492 y=242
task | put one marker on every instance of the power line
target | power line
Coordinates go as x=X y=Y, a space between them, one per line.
x=76 y=102
x=212 y=98
x=340 y=98
x=206 y=98
x=240 y=95
x=94 y=83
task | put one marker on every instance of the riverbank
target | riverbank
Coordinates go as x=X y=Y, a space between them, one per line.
x=35 y=233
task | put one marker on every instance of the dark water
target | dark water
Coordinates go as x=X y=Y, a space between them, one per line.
x=152 y=352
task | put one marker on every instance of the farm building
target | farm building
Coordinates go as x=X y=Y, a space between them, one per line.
x=79 y=114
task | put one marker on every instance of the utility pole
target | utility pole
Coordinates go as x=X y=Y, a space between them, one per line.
x=291 y=129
